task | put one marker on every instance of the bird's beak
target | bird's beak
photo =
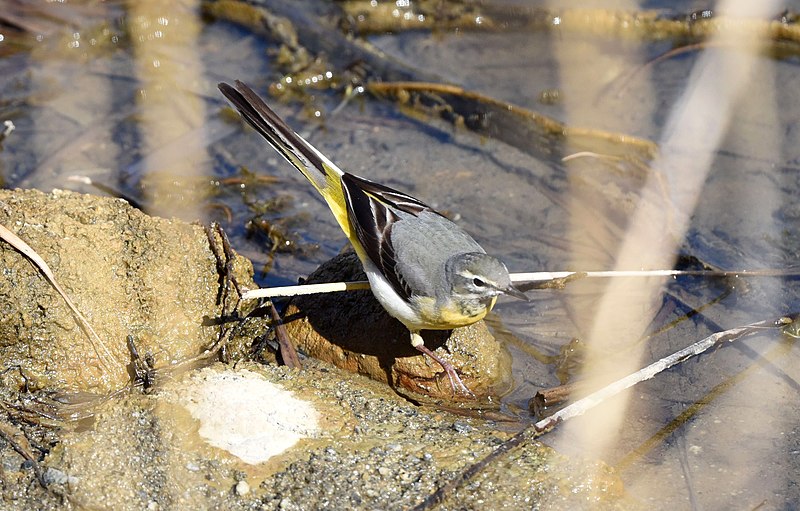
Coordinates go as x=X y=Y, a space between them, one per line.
x=516 y=293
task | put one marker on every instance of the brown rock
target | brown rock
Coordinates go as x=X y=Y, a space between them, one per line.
x=128 y=273
x=352 y=331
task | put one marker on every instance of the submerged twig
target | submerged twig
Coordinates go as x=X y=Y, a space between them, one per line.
x=108 y=360
x=110 y=190
x=287 y=350
x=595 y=398
x=517 y=126
x=548 y=398
x=581 y=406
x=364 y=17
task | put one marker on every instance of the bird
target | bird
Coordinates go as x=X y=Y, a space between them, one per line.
x=425 y=270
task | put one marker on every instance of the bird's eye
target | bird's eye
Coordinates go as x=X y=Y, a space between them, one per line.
x=478 y=282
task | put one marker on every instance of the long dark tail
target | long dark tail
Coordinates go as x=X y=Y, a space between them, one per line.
x=318 y=169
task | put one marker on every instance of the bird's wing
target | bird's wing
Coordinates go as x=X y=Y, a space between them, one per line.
x=373 y=210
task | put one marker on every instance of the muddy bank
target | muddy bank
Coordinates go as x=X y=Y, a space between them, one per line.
x=130 y=274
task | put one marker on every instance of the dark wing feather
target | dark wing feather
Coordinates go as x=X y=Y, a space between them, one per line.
x=271 y=127
x=371 y=208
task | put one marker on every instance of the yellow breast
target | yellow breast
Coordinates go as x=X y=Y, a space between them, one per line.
x=452 y=314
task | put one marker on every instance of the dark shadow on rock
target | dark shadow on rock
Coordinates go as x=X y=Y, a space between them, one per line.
x=352 y=331
x=355 y=320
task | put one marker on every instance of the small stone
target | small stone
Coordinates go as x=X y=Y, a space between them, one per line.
x=462 y=427
x=406 y=477
x=242 y=488
x=384 y=471
x=55 y=476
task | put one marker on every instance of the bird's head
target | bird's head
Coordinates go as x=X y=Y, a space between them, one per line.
x=478 y=276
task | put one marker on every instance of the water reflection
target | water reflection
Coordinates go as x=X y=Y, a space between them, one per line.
x=167 y=63
x=690 y=141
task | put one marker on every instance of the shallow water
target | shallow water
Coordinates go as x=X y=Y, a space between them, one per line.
x=128 y=98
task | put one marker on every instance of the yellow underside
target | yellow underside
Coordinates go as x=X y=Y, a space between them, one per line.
x=449 y=316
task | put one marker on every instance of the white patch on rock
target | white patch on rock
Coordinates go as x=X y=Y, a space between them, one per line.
x=246 y=415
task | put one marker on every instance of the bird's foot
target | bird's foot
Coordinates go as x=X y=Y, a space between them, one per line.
x=455 y=381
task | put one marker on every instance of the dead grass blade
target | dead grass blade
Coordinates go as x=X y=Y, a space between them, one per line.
x=786 y=323
x=16 y=438
x=103 y=354
x=585 y=404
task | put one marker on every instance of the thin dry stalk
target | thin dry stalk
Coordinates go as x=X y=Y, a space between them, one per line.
x=581 y=406
x=16 y=438
x=304 y=289
x=288 y=352
x=523 y=278
x=595 y=398
x=103 y=354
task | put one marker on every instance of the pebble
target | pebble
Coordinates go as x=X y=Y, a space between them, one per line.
x=462 y=427
x=242 y=488
x=55 y=476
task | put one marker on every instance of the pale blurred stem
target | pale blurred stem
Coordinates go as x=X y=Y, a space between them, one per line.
x=585 y=404
x=581 y=406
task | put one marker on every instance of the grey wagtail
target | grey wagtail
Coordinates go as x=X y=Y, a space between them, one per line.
x=423 y=269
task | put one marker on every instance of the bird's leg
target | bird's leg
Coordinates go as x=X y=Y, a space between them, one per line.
x=455 y=381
